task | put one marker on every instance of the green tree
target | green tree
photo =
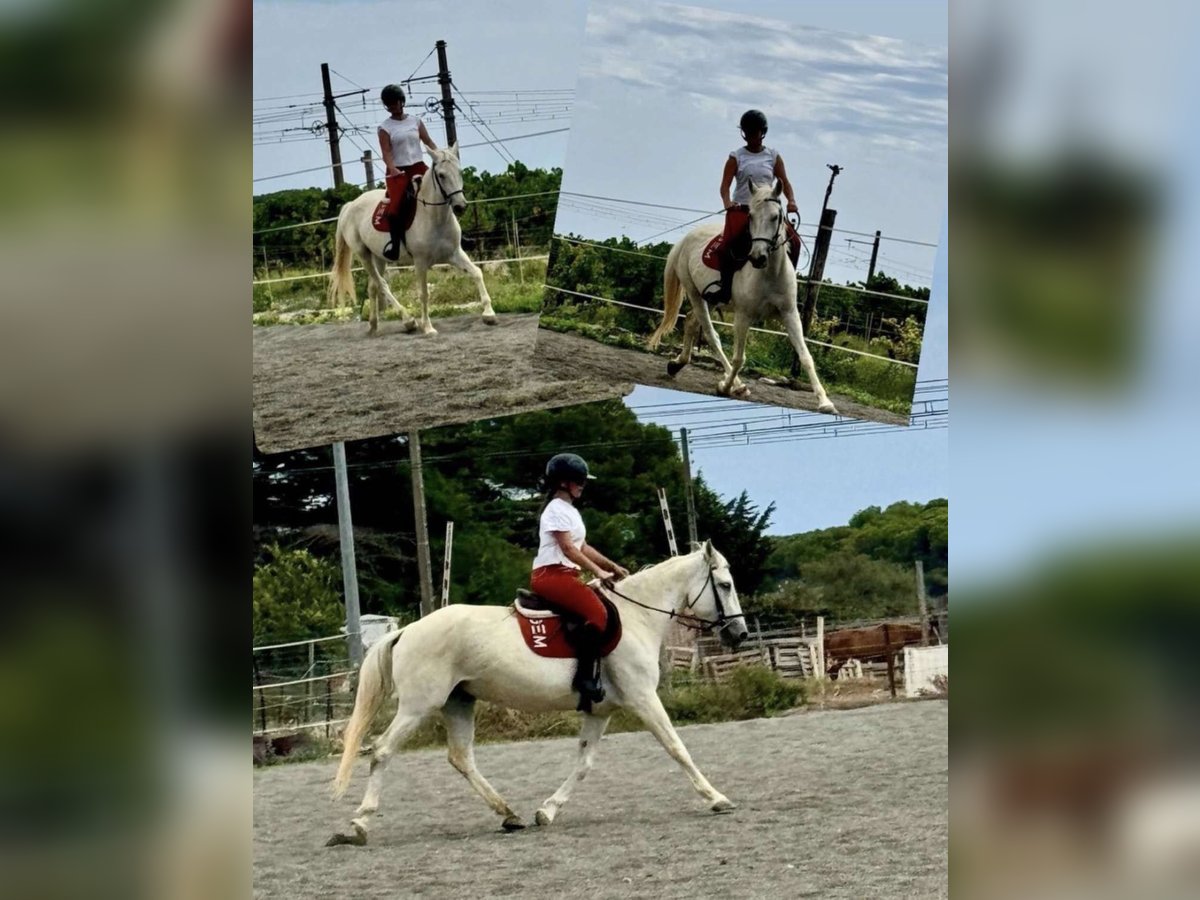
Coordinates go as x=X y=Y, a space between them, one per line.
x=296 y=596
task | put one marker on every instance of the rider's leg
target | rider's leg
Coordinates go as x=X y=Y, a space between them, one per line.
x=562 y=587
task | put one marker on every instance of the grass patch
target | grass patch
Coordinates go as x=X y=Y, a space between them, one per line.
x=514 y=288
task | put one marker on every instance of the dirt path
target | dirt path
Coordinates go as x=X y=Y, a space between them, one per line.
x=560 y=352
x=315 y=384
x=831 y=804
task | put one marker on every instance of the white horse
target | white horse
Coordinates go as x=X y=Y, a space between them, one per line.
x=767 y=287
x=435 y=237
x=461 y=653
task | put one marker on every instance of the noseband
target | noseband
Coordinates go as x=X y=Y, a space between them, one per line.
x=772 y=243
x=437 y=179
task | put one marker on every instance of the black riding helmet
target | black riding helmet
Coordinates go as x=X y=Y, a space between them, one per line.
x=391 y=94
x=753 y=120
x=567 y=467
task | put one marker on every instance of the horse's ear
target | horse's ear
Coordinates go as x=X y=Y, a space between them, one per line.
x=708 y=550
x=453 y=148
x=778 y=189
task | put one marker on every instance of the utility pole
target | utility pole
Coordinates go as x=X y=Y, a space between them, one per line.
x=922 y=605
x=816 y=267
x=447 y=100
x=816 y=271
x=346 y=540
x=687 y=484
x=419 y=522
x=366 y=161
x=335 y=152
x=446 y=564
x=874 y=256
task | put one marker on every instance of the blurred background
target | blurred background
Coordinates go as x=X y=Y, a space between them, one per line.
x=124 y=447
x=1076 y=530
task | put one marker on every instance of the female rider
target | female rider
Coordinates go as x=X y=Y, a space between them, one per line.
x=751 y=163
x=400 y=139
x=563 y=552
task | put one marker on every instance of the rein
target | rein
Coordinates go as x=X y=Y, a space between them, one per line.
x=687 y=620
x=437 y=179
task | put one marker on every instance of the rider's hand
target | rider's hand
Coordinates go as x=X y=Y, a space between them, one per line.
x=791 y=207
x=621 y=572
x=604 y=577
x=729 y=204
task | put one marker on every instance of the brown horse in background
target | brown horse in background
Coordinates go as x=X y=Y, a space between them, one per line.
x=870 y=643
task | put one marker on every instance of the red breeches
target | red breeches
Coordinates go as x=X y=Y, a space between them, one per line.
x=562 y=587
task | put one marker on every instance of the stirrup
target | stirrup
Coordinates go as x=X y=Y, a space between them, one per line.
x=392 y=249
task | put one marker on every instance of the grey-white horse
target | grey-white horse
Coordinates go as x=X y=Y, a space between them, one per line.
x=434 y=237
x=766 y=287
x=458 y=654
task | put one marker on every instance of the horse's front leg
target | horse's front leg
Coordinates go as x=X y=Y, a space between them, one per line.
x=734 y=386
x=589 y=741
x=460 y=260
x=649 y=709
x=421 y=271
x=795 y=330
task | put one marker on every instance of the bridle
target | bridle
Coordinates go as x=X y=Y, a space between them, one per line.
x=772 y=243
x=687 y=620
x=437 y=179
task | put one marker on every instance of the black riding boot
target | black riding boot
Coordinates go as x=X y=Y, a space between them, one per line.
x=719 y=292
x=392 y=249
x=587 y=675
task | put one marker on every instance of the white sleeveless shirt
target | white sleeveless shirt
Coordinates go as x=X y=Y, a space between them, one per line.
x=559 y=515
x=406 y=139
x=759 y=167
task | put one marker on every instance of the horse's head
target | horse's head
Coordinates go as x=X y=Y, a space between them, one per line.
x=717 y=600
x=447 y=176
x=766 y=222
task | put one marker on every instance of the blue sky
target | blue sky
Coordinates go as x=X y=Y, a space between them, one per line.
x=370 y=44
x=660 y=91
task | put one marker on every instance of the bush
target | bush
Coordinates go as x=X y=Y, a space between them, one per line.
x=296 y=596
x=750 y=692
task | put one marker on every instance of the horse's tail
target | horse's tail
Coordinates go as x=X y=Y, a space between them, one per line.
x=672 y=298
x=375 y=685
x=340 y=281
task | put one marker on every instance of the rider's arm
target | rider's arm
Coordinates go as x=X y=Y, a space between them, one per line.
x=385 y=151
x=571 y=552
x=781 y=174
x=425 y=138
x=726 y=180
x=600 y=559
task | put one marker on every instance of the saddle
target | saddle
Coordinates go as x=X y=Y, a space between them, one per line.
x=382 y=219
x=550 y=632
x=734 y=254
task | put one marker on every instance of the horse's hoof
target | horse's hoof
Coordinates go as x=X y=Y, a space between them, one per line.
x=410 y=326
x=358 y=839
x=542 y=819
x=489 y=320
x=741 y=392
x=827 y=408
x=513 y=823
x=723 y=805
x=674 y=368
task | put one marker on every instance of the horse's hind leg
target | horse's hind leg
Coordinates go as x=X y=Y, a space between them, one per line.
x=377 y=278
x=459 y=716
x=691 y=330
x=404 y=724
x=589 y=741
x=649 y=709
x=795 y=330
x=460 y=260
